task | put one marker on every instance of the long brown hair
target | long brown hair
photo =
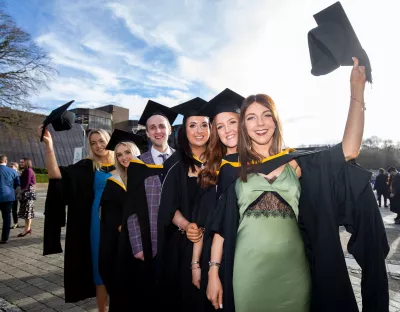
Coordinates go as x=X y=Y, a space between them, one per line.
x=247 y=154
x=28 y=162
x=215 y=151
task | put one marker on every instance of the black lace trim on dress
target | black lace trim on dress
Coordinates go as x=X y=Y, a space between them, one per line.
x=270 y=204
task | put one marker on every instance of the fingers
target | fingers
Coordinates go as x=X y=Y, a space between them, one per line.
x=220 y=298
x=355 y=60
x=193 y=226
x=215 y=304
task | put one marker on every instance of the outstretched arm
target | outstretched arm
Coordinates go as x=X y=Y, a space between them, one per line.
x=51 y=161
x=354 y=130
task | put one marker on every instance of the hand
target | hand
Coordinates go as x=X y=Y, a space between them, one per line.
x=214 y=291
x=47 y=139
x=140 y=256
x=193 y=233
x=120 y=228
x=358 y=77
x=196 y=277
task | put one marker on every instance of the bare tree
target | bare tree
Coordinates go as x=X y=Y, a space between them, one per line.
x=25 y=68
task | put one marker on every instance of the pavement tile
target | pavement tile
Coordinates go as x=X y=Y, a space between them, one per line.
x=37 y=308
x=55 y=303
x=43 y=297
x=13 y=296
x=5 y=290
x=30 y=290
x=75 y=309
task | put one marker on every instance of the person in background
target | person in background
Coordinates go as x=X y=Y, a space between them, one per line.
x=9 y=180
x=14 y=166
x=27 y=195
x=394 y=188
x=381 y=186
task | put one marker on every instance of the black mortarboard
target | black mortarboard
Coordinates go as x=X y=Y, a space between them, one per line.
x=190 y=108
x=333 y=43
x=153 y=108
x=119 y=136
x=60 y=119
x=227 y=101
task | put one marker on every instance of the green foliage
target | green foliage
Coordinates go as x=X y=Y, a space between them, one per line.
x=39 y=170
x=42 y=178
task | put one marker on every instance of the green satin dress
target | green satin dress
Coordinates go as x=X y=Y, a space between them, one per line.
x=271 y=272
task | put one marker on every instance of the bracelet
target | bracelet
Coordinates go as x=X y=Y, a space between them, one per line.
x=363 y=108
x=194 y=262
x=179 y=227
x=214 y=263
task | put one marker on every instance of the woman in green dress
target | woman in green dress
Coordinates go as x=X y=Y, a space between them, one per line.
x=270 y=267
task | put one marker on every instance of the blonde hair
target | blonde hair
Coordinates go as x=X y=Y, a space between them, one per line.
x=106 y=138
x=121 y=169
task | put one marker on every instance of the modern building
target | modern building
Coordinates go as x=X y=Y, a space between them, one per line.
x=19 y=139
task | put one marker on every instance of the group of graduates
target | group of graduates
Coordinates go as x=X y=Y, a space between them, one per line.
x=230 y=220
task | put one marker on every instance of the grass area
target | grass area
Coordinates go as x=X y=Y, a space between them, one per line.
x=42 y=178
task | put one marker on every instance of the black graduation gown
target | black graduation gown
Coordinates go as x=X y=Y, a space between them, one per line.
x=174 y=249
x=136 y=278
x=395 y=200
x=74 y=189
x=111 y=206
x=333 y=193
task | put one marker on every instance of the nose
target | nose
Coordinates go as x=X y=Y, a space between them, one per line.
x=260 y=121
x=199 y=129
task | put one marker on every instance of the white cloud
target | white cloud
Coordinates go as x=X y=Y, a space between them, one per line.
x=256 y=46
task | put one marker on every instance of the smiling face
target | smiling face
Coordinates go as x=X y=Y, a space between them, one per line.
x=197 y=131
x=124 y=155
x=98 y=145
x=260 y=125
x=227 y=128
x=157 y=130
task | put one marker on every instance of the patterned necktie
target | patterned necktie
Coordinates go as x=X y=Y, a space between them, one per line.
x=163 y=156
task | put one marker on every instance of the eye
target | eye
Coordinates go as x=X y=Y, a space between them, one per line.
x=192 y=125
x=127 y=152
x=119 y=155
x=233 y=122
x=250 y=118
x=204 y=125
x=162 y=127
x=267 y=115
x=219 y=127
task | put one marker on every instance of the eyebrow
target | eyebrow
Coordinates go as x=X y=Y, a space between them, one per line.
x=233 y=118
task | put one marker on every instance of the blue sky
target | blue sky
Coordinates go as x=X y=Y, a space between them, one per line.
x=128 y=51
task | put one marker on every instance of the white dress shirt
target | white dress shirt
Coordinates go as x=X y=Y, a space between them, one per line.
x=155 y=154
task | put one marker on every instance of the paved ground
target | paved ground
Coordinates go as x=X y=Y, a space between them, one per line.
x=32 y=282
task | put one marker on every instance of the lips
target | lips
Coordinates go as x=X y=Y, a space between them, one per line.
x=229 y=137
x=261 y=132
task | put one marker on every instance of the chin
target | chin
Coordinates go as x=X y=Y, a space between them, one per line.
x=199 y=144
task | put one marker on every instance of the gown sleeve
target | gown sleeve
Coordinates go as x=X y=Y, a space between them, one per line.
x=55 y=211
x=338 y=193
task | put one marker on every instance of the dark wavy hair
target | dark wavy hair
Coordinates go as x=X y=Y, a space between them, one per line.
x=184 y=147
x=247 y=154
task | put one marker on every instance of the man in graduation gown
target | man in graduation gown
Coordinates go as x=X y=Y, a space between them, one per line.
x=333 y=193
x=157 y=118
